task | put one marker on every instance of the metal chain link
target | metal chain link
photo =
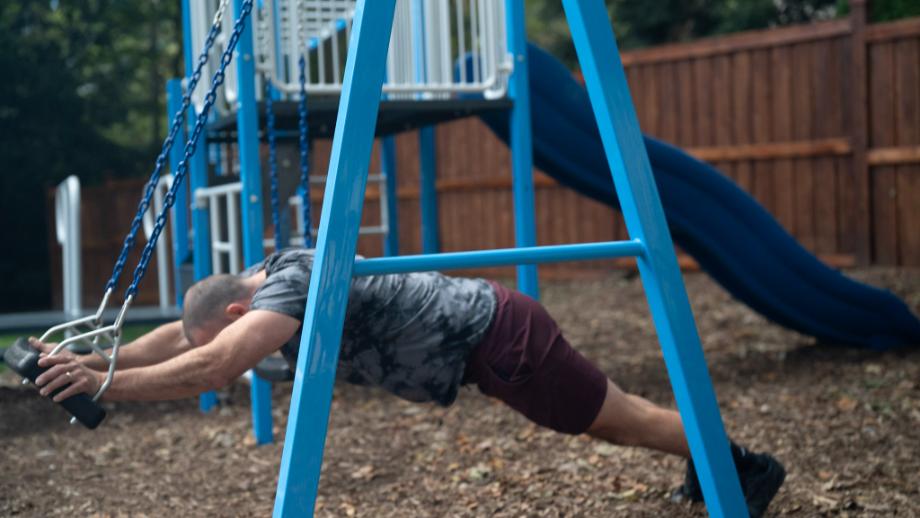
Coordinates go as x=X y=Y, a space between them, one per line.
x=304 y=158
x=272 y=162
x=177 y=121
x=190 y=147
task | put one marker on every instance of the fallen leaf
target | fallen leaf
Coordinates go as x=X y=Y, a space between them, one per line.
x=847 y=404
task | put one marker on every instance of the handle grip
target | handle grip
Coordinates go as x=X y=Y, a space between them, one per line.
x=23 y=358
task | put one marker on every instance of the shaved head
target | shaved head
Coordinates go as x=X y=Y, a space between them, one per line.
x=205 y=304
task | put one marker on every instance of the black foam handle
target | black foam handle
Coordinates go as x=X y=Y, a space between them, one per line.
x=23 y=358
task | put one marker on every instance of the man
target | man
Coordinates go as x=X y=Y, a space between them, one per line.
x=420 y=336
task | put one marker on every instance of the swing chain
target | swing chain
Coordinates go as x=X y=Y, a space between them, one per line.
x=304 y=157
x=273 y=162
x=182 y=168
x=174 y=128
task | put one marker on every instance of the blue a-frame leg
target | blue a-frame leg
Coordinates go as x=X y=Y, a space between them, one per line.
x=334 y=264
x=645 y=221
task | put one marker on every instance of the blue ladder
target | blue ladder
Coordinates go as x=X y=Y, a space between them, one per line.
x=334 y=263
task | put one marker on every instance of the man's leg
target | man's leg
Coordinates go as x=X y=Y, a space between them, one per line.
x=630 y=420
x=526 y=362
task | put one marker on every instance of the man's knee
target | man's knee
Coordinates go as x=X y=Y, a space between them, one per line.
x=623 y=419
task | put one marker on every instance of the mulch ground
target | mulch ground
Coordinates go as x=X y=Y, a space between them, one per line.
x=845 y=422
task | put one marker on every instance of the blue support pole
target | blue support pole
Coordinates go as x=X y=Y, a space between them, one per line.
x=332 y=265
x=198 y=177
x=388 y=165
x=201 y=255
x=642 y=210
x=525 y=232
x=247 y=123
x=179 y=216
x=498 y=257
x=428 y=194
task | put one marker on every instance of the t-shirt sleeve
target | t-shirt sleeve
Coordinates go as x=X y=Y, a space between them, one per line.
x=284 y=291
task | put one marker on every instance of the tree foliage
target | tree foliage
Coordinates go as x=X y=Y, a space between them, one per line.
x=82 y=94
x=641 y=23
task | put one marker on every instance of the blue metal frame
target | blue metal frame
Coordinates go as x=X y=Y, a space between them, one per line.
x=645 y=221
x=427 y=151
x=179 y=214
x=332 y=266
x=525 y=232
x=334 y=263
x=428 y=194
x=388 y=166
x=247 y=121
x=198 y=178
x=498 y=257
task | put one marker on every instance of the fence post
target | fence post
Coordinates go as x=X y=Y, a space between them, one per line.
x=860 y=137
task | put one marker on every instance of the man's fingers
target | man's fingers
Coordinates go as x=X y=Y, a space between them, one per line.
x=57 y=359
x=41 y=346
x=58 y=382
x=74 y=389
x=54 y=372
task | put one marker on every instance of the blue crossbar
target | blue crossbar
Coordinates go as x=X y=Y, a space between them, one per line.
x=499 y=257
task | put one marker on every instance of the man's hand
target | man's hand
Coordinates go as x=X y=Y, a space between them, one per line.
x=64 y=368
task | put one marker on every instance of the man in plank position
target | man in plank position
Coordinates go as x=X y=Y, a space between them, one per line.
x=420 y=336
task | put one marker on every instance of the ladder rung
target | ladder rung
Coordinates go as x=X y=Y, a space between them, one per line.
x=499 y=257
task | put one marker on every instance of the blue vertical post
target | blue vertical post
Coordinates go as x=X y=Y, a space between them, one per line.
x=428 y=193
x=332 y=266
x=180 y=209
x=525 y=233
x=247 y=124
x=198 y=177
x=201 y=254
x=388 y=165
x=642 y=210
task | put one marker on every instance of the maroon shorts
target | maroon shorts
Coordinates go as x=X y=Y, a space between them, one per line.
x=524 y=361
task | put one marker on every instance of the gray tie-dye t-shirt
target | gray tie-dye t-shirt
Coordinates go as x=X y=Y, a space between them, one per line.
x=408 y=333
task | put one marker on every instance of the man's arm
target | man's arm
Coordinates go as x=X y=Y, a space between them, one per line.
x=165 y=342
x=239 y=347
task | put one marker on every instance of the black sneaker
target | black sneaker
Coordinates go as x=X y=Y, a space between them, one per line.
x=759 y=473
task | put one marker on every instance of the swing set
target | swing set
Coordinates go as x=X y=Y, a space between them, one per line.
x=379 y=34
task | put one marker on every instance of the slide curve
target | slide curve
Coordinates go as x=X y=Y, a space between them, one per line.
x=731 y=236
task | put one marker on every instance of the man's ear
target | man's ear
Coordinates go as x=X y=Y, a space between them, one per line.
x=236 y=309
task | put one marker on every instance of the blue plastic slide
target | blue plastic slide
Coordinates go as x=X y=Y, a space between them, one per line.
x=729 y=234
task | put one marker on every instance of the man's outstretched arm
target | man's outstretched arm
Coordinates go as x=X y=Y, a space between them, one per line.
x=239 y=347
x=165 y=342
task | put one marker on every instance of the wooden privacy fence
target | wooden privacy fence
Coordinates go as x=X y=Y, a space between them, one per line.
x=821 y=123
